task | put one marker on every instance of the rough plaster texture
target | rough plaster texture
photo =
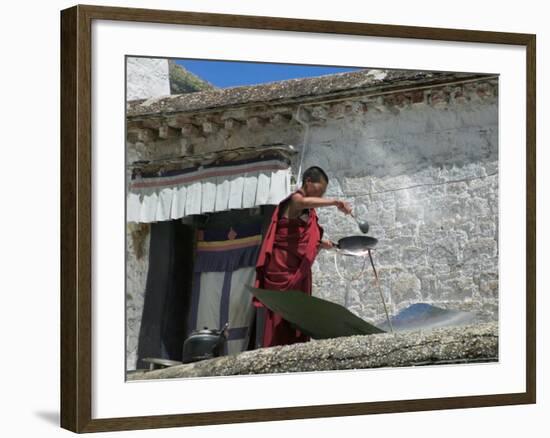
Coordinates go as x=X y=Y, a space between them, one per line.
x=137 y=261
x=427 y=182
x=146 y=78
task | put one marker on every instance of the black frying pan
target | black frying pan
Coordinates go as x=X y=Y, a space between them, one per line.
x=356 y=245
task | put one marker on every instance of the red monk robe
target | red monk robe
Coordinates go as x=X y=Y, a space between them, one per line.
x=286 y=256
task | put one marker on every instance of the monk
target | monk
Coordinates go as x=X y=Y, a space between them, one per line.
x=289 y=249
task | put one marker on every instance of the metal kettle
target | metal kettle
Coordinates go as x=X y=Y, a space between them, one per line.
x=204 y=344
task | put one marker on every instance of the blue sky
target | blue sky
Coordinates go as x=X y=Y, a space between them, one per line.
x=233 y=73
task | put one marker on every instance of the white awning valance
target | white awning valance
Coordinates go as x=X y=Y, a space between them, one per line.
x=207 y=189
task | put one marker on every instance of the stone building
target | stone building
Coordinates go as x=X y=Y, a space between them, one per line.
x=415 y=153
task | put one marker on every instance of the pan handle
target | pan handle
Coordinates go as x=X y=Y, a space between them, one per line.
x=334 y=244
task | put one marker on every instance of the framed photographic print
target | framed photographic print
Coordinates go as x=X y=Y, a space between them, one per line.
x=267 y=218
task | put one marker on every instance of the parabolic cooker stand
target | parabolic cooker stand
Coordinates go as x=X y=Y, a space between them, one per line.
x=360 y=253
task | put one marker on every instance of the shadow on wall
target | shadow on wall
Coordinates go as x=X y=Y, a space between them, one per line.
x=388 y=144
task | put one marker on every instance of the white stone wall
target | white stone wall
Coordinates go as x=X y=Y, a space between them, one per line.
x=146 y=78
x=137 y=262
x=426 y=179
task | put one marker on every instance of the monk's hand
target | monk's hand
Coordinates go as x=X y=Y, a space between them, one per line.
x=326 y=244
x=343 y=206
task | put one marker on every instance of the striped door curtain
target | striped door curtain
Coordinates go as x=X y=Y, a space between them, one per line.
x=225 y=263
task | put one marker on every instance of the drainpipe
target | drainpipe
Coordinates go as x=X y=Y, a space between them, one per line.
x=304 y=143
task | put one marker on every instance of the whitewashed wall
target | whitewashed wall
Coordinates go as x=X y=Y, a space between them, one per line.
x=427 y=181
x=137 y=262
x=147 y=77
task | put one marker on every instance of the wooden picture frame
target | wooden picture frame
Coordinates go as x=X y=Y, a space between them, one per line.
x=76 y=218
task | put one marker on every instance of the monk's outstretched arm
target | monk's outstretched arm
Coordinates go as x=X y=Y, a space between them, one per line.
x=300 y=202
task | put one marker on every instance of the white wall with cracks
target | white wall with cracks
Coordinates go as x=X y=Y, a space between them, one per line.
x=147 y=77
x=138 y=238
x=426 y=179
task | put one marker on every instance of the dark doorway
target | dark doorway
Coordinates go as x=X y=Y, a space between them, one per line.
x=167 y=292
